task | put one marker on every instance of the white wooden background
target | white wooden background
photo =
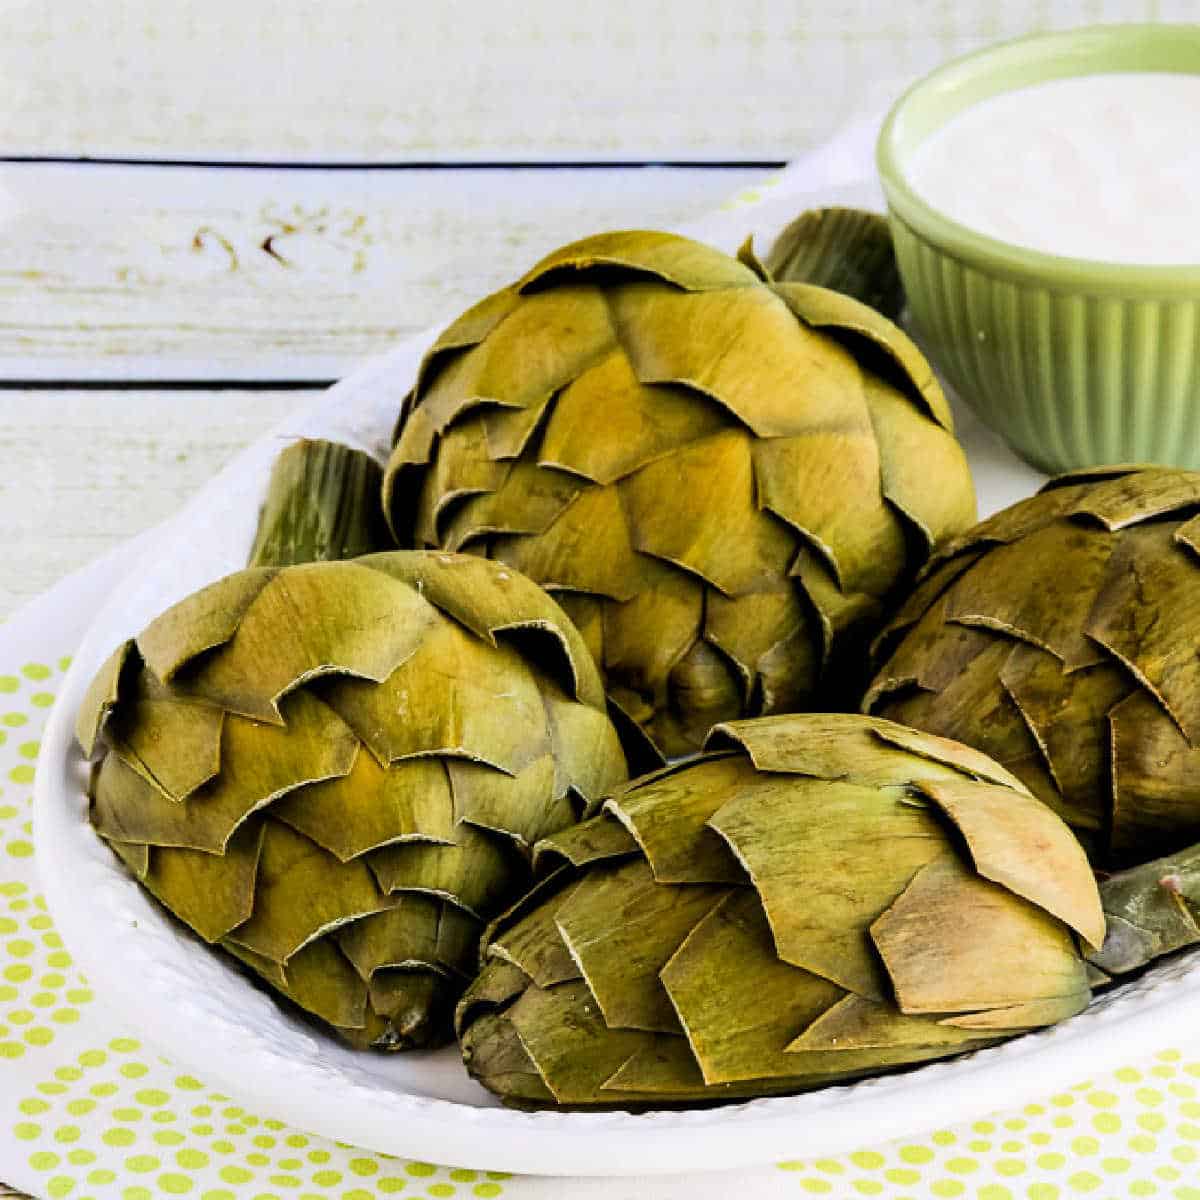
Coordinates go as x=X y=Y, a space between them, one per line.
x=132 y=271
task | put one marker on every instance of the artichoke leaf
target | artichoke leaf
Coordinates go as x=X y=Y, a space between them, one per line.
x=321 y=981
x=747 y=551
x=1188 y=535
x=302 y=892
x=845 y=617
x=911 y=452
x=477 y=872
x=846 y=249
x=786 y=831
x=588 y=549
x=467 y=330
x=740 y=1006
x=1135 y=496
x=1032 y=1015
x=176 y=747
x=1067 y=715
x=837 y=312
x=1155 y=780
x=373 y=806
x=492 y=711
x=744 y=349
x=954 y=943
x=528 y=501
x=586 y=755
x=260 y=763
x=931 y=655
x=538 y=348
x=101 y=698
x=135 y=856
x=835 y=746
x=203 y=621
x=492 y=603
x=343 y=618
x=521 y=807
x=748 y=628
x=565 y=1036
x=856 y=1023
x=497 y=983
x=492 y=1050
x=460 y=469
x=646 y=636
x=689 y=265
x=591 y=841
x=620 y=928
x=535 y=944
x=404 y=935
x=1148 y=615
x=1020 y=843
x=825 y=484
x=952 y=754
x=668 y=816
x=213 y=894
x=1044 y=606
x=607 y=423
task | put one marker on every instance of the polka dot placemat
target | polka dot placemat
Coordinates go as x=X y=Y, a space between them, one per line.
x=89 y=1112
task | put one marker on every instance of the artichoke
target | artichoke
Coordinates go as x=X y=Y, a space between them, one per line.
x=1059 y=637
x=723 y=480
x=846 y=249
x=818 y=898
x=335 y=771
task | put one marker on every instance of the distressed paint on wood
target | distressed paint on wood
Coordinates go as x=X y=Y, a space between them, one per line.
x=381 y=80
x=81 y=472
x=221 y=273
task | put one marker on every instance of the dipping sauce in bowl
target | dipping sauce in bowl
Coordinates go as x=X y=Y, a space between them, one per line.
x=1044 y=198
x=1098 y=166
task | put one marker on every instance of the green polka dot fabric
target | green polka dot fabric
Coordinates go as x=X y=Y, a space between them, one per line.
x=88 y=1111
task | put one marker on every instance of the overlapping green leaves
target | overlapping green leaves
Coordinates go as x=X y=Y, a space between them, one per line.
x=337 y=772
x=816 y=898
x=722 y=479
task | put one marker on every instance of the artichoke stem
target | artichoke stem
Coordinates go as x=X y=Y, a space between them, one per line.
x=1151 y=910
x=846 y=249
x=322 y=504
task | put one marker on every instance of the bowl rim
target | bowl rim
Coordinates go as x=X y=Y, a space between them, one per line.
x=1001 y=257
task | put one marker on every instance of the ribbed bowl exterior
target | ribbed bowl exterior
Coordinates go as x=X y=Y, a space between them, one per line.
x=1068 y=379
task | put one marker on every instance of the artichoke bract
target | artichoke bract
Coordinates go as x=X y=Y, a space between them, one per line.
x=336 y=772
x=818 y=898
x=1059 y=637
x=722 y=479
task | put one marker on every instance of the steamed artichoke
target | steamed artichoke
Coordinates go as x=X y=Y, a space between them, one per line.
x=818 y=898
x=1060 y=638
x=336 y=771
x=722 y=479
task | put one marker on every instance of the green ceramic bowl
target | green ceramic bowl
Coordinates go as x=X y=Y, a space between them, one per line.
x=1074 y=362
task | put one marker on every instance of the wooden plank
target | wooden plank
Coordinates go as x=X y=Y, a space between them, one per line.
x=225 y=273
x=84 y=471
x=380 y=80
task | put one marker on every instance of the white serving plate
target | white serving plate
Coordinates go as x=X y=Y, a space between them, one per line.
x=207 y=1017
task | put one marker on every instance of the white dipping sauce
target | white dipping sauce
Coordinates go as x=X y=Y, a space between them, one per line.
x=1098 y=166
